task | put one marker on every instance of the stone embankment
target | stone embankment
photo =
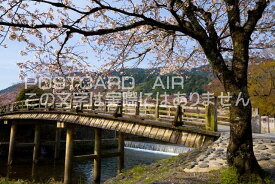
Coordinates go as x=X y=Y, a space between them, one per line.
x=215 y=155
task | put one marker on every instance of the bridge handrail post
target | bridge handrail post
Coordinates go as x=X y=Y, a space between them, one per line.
x=119 y=111
x=137 y=108
x=93 y=103
x=121 y=104
x=198 y=113
x=178 y=117
x=71 y=102
x=211 y=116
x=105 y=106
x=54 y=104
x=81 y=106
x=20 y=105
x=157 y=111
x=12 y=107
x=27 y=106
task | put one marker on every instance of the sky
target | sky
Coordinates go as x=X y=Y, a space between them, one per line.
x=9 y=72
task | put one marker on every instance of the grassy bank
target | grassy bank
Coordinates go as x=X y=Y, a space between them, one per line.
x=5 y=181
x=171 y=170
x=161 y=170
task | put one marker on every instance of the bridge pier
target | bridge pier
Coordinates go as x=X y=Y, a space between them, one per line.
x=121 y=152
x=97 y=153
x=12 y=143
x=36 y=147
x=68 y=156
x=57 y=143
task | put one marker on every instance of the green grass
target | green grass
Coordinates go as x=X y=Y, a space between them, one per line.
x=135 y=174
x=5 y=181
x=168 y=160
x=230 y=176
x=142 y=174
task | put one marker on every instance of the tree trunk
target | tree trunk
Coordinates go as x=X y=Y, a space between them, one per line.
x=240 y=153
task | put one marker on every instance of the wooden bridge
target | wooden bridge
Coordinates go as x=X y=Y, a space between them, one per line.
x=182 y=125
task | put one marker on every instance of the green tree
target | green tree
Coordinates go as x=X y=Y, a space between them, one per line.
x=261 y=87
x=22 y=95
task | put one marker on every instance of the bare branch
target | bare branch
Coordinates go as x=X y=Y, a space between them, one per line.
x=233 y=14
x=254 y=16
x=76 y=30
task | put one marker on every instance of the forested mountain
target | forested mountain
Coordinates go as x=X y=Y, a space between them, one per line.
x=9 y=94
x=194 y=81
x=145 y=79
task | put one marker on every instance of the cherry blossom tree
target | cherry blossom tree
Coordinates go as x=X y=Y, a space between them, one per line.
x=172 y=34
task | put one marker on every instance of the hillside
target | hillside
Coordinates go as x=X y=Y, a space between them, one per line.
x=9 y=94
x=194 y=81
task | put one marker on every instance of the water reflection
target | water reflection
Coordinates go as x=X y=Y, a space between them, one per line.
x=82 y=170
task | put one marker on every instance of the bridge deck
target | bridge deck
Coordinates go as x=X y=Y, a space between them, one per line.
x=192 y=136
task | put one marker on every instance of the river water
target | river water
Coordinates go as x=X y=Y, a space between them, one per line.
x=82 y=170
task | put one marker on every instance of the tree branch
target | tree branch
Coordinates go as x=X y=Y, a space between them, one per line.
x=254 y=16
x=233 y=14
x=60 y=5
x=75 y=30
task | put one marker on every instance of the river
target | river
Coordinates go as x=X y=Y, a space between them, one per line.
x=82 y=170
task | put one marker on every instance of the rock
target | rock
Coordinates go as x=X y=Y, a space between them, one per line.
x=262 y=157
x=211 y=150
x=191 y=165
x=272 y=157
x=218 y=141
x=268 y=141
x=261 y=147
x=203 y=165
x=266 y=154
x=214 y=157
x=201 y=158
x=223 y=157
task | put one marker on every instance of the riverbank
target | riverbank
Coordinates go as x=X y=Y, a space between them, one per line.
x=206 y=165
x=5 y=181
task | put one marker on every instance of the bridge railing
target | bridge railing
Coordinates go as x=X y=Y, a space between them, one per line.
x=207 y=117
